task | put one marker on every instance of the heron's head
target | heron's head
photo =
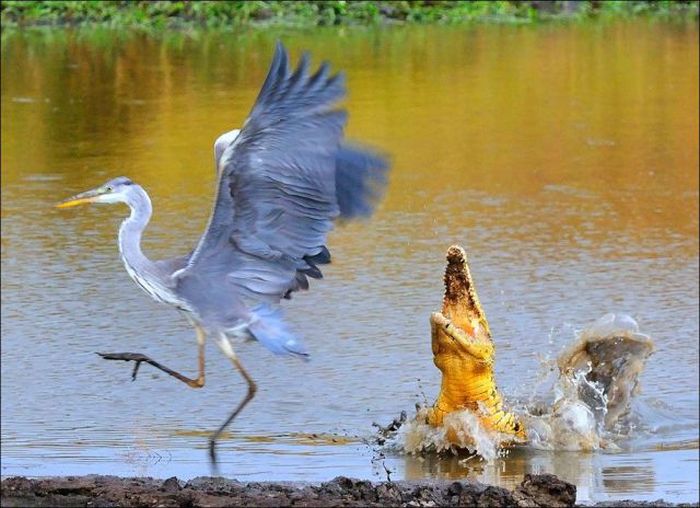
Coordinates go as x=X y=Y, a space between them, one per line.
x=116 y=190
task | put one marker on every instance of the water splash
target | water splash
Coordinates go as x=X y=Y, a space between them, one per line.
x=585 y=407
x=466 y=429
x=612 y=353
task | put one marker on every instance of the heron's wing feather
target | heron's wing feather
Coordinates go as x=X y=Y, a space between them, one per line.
x=361 y=178
x=276 y=195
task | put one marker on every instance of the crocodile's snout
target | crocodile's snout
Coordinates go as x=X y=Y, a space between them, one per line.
x=456 y=255
x=460 y=303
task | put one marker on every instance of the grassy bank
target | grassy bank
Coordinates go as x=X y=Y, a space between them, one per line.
x=162 y=14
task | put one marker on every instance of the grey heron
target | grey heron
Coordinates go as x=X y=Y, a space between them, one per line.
x=282 y=180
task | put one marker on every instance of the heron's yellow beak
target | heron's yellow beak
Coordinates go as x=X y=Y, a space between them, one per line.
x=80 y=199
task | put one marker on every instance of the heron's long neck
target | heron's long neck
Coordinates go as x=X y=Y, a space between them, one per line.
x=131 y=231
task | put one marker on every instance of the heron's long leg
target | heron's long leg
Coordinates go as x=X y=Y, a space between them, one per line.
x=225 y=346
x=138 y=358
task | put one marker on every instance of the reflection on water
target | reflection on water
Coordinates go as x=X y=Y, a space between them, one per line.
x=622 y=479
x=564 y=158
x=597 y=477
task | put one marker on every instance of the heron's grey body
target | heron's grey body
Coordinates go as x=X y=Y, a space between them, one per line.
x=282 y=179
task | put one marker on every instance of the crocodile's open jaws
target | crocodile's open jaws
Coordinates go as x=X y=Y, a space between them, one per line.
x=464 y=352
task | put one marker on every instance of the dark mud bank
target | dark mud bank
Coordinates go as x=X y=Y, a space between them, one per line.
x=104 y=491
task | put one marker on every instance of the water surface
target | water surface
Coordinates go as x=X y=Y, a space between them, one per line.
x=564 y=158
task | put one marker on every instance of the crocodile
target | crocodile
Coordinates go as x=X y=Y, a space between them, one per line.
x=463 y=350
x=598 y=373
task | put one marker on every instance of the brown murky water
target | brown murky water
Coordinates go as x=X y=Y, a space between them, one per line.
x=564 y=158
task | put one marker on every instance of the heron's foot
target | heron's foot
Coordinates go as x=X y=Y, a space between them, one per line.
x=129 y=357
x=140 y=358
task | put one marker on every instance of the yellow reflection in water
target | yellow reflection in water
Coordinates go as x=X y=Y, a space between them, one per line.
x=528 y=114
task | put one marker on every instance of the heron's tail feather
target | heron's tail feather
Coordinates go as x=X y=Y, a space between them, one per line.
x=360 y=180
x=271 y=331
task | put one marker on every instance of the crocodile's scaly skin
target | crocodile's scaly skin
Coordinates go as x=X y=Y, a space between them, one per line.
x=464 y=353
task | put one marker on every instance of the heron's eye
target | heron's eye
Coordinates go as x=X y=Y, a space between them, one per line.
x=109 y=188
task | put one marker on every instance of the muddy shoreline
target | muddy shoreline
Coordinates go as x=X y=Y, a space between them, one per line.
x=107 y=491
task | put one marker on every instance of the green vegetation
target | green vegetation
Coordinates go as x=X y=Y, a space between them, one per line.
x=161 y=14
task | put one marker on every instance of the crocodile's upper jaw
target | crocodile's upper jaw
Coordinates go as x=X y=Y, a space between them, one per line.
x=461 y=304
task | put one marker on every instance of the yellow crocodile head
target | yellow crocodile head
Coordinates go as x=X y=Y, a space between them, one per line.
x=464 y=352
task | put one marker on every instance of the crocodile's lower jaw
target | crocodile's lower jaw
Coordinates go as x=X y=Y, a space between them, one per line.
x=464 y=353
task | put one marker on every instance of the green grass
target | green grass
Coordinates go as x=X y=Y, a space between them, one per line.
x=161 y=14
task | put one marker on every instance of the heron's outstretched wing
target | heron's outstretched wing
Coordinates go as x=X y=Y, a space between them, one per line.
x=276 y=196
